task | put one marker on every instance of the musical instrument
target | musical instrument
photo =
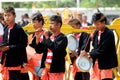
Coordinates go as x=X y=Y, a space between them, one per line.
x=72 y=42
x=83 y=63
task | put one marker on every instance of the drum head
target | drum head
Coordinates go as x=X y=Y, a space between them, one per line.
x=72 y=42
x=84 y=64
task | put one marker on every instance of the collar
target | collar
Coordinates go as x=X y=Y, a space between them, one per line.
x=11 y=26
x=55 y=35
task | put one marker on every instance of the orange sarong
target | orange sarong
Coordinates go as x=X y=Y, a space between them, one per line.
x=97 y=74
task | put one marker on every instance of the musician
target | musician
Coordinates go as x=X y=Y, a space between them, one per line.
x=104 y=51
x=38 y=22
x=56 y=50
x=82 y=39
x=14 y=52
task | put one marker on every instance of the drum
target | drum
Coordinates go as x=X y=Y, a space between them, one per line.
x=83 y=63
x=72 y=42
x=34 y=61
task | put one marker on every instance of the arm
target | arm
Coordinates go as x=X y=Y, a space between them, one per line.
x=59 y=45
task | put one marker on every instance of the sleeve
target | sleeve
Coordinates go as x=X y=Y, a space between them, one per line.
x=59 y=45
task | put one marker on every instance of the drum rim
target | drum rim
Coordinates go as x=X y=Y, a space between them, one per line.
x=83 y=70
x=72 y=35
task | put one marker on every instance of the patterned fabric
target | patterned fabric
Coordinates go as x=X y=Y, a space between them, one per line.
x=97 y=74
x=49 y=55
x=46 y=75
x=5 y=71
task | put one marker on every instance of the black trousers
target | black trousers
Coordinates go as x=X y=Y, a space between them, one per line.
x=14 y=75
x=24 y=76
x=82 y=76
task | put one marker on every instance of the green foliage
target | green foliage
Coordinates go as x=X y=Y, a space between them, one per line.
x=110 y=3
x=87 y=4
x=65 y=3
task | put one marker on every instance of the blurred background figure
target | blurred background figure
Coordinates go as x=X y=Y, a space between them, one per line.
x=79 y=16
x=2 y=19
x=24 y=20
x=85 y=24
x=1 y=30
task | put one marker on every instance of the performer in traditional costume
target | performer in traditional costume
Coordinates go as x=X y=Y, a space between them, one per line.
x=82 y=38
x=56 y=50
x=38 y=35
x=14 y=48
x=104 y=51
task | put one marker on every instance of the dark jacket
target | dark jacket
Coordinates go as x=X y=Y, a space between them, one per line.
x=84 y=42
x=58 y=47
x=105 y=51
x=17 y=43
x=42 y=49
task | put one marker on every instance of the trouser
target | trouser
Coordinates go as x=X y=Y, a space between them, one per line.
x=14 y=75
x=24 y=76
x=82 y=76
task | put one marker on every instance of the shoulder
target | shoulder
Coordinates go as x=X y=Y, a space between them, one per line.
x=109 y=31
x=62 y=36
x=17 y=25
x=84 y=34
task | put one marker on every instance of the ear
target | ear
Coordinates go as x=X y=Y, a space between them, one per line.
x=104 y=22
x=15 y=15
x=59 y=24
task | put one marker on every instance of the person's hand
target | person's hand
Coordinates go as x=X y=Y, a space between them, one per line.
x=84 y=53
x=46 y=33
x=4 y=48
x=74 y=54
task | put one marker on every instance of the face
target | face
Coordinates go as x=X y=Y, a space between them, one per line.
x=37 y=24
x=25 y=18
x=54 y=27
x=9 y=18
x=99 y=25
x=84 y=18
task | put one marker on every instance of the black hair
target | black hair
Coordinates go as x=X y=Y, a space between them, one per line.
x=26 y=14
x=9 y=9
x=99 y=17
x=74 y=22
x=38 y=16
x=56 y=18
